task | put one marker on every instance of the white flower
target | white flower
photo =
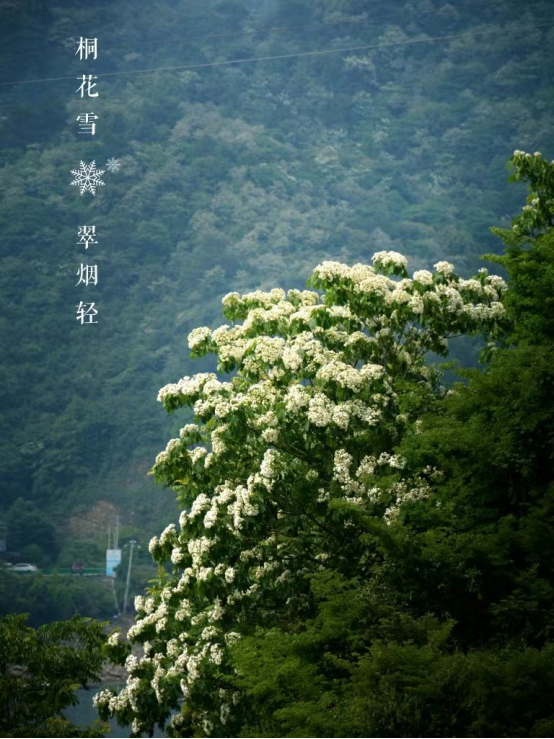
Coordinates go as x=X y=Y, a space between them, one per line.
x=268 y=465
x=320 y=411
x=216 y=654
x=184 y=611
x=216 y=613
x=172 y=445
x=270 y=435
x=397 y=461
x=197 y=453
x=292 y=359
x=423 y=277
x=168 y=535
x=188 y=430
x=341 y=467
x=173 y=648
x=444 y=268
x=208 y=633
x=297 y=398
x=201 y=503
x=366 y=466
x=131 y=663
x=210 y=518
x=417 y=304
x=177 y=555
x=224 y=713
x=161 y=458
x=387 y=258
x=197 y=336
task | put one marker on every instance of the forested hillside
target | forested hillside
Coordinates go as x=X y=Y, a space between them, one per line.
x=276 y=135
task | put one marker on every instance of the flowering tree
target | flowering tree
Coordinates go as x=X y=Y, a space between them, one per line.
x=538 y=212
x=284 y=463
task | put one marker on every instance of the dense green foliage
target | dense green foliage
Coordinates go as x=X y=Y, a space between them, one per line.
x=40 y=670
x=52 y=598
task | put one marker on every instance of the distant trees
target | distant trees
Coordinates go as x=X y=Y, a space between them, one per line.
x=52 y=598
x=31 y=534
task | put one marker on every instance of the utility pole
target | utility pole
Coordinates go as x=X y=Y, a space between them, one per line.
x=132 y=545
x=115 y=597
x=116 y=536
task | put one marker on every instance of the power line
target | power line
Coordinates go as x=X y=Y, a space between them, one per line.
x=275 y=29
x=290 y=56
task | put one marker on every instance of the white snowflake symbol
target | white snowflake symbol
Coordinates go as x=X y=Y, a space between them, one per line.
x=113 y=164
x=87 y=177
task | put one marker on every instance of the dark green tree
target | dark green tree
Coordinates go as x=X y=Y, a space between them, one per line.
x=27 y=526
x=40 y=671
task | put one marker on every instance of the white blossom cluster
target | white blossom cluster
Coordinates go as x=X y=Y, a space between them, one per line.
x=538 y=212
x=272 y=449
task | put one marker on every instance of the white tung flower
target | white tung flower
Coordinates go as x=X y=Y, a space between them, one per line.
x=232 y=637
x=168 y=534
x=387 y=258
x=197 y=453
x=177 y=555
x=224 y=713
x=188 y=430
x=161 y=458
x=341 y=467
x=320 y=411
x=297 y=397
x=210 y=518
x=197 y=336
x=423 y=277
x=208 y=633
x=292 y=359
x=444 y=268
x=270 y=435
x=268 y=465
